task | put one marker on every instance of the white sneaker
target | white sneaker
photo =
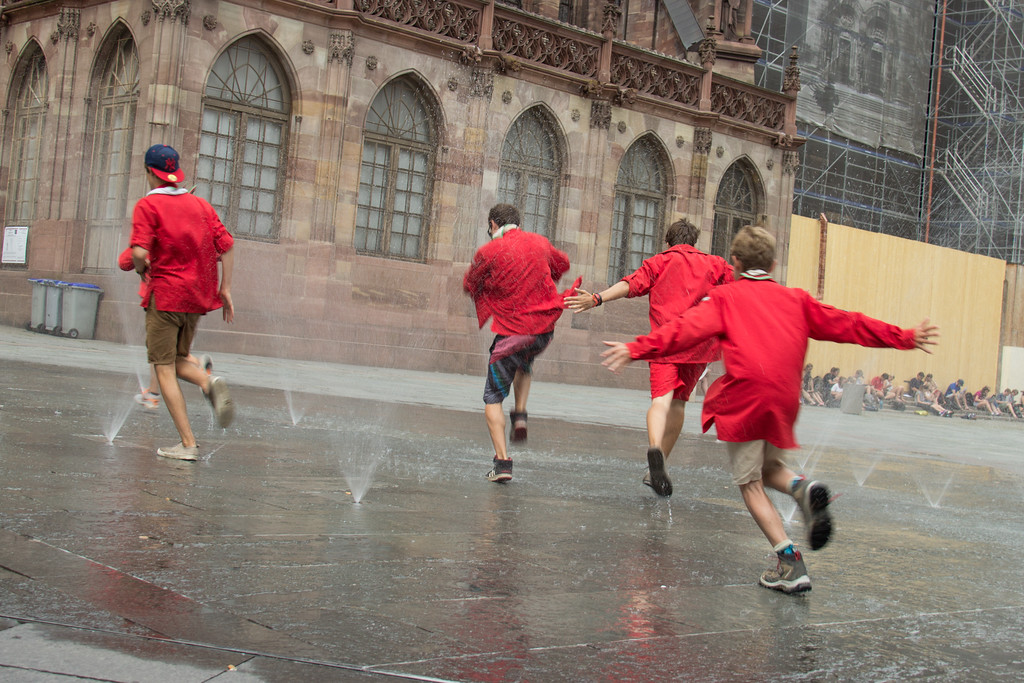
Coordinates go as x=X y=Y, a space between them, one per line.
x=148 y=399
x=179 y=452
x=220 y=401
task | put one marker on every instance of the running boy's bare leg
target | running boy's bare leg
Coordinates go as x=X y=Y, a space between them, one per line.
x=175 y=401
x=188 y=369
x=496 y=427
x=763 y=512
x=521 y=388
x=665 y=422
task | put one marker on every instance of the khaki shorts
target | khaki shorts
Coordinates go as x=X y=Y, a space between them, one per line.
x=169 y=335
x=748 y=459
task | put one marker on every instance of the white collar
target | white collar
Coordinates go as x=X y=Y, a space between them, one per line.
x=756 y=274
x=503 y=229
x=167 y=189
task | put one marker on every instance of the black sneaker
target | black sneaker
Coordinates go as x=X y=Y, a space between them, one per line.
x=812 y=497
x=501 y=472
x=656 y=476
x=518 y=427
x=790 y=576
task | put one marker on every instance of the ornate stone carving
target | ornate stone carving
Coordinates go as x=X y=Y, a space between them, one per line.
x=506 y=97
x=371 y=63
x=747 y=105
x=790 y=162
x=533 y=44
x=720 y=151
x=308 y=47
x=680 y=141
x=471 y=54
x=453 y=84
x=702 y=141
x=575 y=116
x=9 y=46
x=625 y=96
x=651 y=78
x=90 y=30
x=175 y=10
x=146 y=16
x=441 y=17
x=505 y=64
x=621 y=127
x=791 y=79
x=770 y=163
x=481 y=83
x=590 y=88
x=68 y=23
x=612 y=14
x=600 y=115
x=341 y=47
x=209 y=22
x=708 y=51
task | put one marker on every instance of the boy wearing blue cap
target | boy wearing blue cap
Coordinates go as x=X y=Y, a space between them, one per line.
x=176 y=241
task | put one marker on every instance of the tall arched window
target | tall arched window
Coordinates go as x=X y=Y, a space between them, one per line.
x=530 y=169
x=396 y=176
x=735 y=206
x=115 y=96
x=27 y=137
x=639 y=213
x=242 y=150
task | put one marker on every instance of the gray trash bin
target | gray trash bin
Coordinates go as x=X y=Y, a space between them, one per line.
x=38 y=304
x=852 y=402
x=52 y=313
x=78 y=312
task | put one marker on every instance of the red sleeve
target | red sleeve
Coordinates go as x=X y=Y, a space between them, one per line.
x=222 y=239
x=124 y=261
x=701 y=322
x=143 y=223
x=643 y=278
x=474 y=277
x=827 y=323
x=558 y=261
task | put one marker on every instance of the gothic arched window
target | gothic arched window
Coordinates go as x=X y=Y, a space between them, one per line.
x=242 y=141
x=735 y=206
x=114 y=101
x=396 y=175
x=530 y=170
x=27 y=137
x=639 y=212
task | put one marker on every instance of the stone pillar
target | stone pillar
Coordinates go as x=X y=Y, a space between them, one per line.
x=167 y=49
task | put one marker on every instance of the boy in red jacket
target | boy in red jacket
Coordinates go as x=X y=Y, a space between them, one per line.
x=674 y=280
x=177 y=240
x=512 y=278
x=763 y=328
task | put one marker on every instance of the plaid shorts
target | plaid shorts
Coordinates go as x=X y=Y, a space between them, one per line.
x=509 y=355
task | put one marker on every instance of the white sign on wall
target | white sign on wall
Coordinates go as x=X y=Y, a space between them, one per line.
x=15 y=245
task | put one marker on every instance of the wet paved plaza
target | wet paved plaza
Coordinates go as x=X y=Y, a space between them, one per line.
x=258 y=563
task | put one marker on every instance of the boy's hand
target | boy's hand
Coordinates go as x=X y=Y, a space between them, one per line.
x=228 y=309
x=616 y=357
x=923 y=334
x=579 y=302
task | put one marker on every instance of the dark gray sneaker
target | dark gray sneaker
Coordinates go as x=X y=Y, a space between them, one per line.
x=656 y=476
x=518 y=434
x=813 y=499
x=501 y=472
x=220 y=401
x=790 y=576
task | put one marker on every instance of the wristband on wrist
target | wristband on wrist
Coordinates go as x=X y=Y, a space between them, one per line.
x=597 y=300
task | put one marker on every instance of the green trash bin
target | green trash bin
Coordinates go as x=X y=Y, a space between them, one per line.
x=80 y=305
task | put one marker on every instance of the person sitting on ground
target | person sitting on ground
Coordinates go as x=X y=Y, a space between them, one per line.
x=835 y=392
x=955 y=395
x=983 y=400
x=1004 y=402
x=927 y=400
x=808 y=393
x=914 y=384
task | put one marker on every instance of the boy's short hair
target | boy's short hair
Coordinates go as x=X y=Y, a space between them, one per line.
x=754 y=247
x=682 y=232
x=503 y=214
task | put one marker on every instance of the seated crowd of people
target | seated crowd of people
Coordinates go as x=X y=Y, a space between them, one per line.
x=920 y=393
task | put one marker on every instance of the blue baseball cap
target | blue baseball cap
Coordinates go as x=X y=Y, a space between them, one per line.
x=162 y=160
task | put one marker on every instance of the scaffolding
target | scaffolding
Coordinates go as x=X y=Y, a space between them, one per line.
x=962 y=184
x=977 y=195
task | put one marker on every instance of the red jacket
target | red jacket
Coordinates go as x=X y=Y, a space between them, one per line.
x=676 y=279
x=763 y=328
x=184 y=238
x=513 y=278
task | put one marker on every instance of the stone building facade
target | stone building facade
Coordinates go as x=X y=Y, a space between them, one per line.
x=354 y=148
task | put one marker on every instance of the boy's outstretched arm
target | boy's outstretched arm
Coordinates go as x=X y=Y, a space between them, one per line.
x=923 y=334
x=584 y=300
x=617 y=356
